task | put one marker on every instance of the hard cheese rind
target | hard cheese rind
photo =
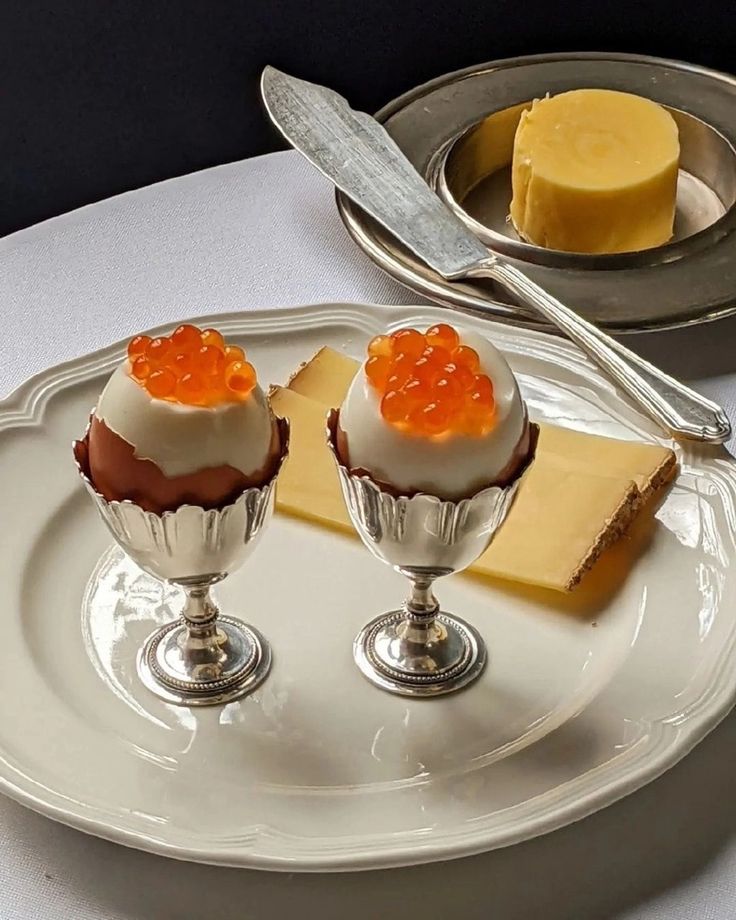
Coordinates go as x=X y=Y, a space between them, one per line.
x=568 y=510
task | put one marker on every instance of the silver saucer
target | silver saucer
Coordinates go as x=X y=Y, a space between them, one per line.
x=690 y=280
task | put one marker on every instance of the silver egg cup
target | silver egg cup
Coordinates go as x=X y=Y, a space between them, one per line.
x=420 y=650
x=202 y=658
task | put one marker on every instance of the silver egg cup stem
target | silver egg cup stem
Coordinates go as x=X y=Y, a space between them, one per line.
x=202 y=658
x=421 y=650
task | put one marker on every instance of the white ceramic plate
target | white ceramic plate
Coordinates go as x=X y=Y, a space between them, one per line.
x=581 y=703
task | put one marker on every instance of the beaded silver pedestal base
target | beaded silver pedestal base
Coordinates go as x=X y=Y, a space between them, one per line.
x=204 y=658
x=414 y=657
x=179 y=667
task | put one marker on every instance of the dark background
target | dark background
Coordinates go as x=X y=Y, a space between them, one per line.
x=97 y=96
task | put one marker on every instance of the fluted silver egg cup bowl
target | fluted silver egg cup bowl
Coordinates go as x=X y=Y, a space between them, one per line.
x=420 y=650
x=202 y=658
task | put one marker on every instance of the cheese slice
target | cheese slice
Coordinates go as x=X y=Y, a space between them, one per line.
x=328 y=375
x=595 y=171
x=308 y=485
x=561 y=522
x=580 y=495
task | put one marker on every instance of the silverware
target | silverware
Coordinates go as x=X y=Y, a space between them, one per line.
x=357 y=154
x=203 y=658
x=419 y=649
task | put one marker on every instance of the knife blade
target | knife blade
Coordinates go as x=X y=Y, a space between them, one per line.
x=361 y=158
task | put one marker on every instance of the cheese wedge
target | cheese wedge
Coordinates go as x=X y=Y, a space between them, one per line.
x=561 y=522
x=595 y=171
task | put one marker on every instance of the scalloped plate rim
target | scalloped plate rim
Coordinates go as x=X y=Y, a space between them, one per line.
x=675 y=736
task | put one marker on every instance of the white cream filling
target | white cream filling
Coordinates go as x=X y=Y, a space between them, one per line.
x=449 y=467
x=184 y=439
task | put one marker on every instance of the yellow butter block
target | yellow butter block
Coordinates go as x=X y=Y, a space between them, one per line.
x=595 y=171
x=486 y=149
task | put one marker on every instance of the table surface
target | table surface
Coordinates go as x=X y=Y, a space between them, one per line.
x=264 y=233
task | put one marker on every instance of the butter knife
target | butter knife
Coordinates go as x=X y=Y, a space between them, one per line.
x=358 y=155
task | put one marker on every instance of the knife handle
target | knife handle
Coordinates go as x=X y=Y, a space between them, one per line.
x=682 y=412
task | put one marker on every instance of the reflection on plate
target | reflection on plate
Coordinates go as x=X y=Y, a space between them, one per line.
x=584 y=699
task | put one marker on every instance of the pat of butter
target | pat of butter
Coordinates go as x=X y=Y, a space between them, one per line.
x=595 y=171
x=579 y=496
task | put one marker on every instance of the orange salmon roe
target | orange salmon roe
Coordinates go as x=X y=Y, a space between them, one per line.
x=194 y=367
x=430 y=384
x=137 y=346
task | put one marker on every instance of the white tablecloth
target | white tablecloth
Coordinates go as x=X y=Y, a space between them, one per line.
x=264 y=233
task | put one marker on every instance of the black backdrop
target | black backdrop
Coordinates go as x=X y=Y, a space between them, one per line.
x=100 y=96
